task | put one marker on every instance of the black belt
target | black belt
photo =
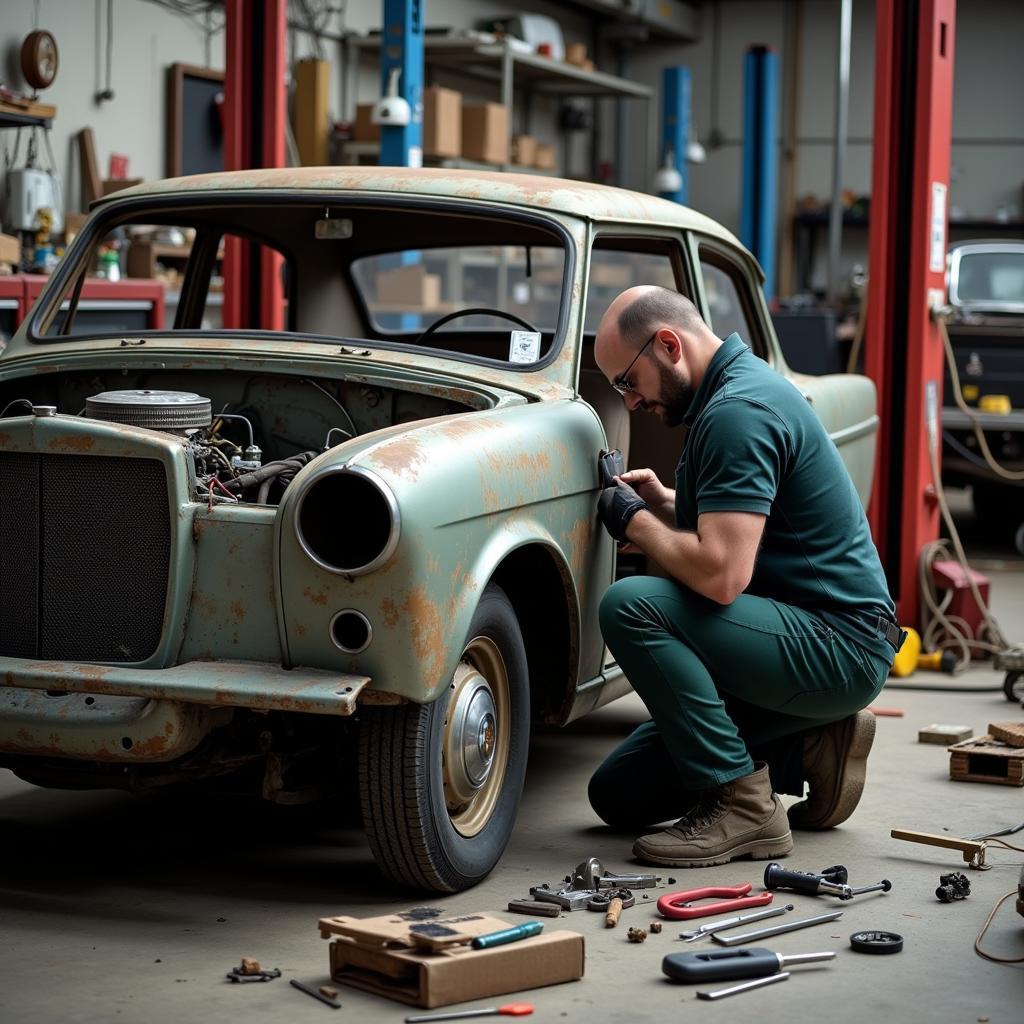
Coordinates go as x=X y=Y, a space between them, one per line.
x=888 y=630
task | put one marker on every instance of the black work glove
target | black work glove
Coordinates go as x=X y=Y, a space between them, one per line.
x=616 y=507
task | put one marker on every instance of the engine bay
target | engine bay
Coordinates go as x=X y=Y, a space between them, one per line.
x=247 y=435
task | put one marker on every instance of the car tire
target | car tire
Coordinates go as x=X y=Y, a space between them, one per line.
x=1013 y=687
x=436 y=821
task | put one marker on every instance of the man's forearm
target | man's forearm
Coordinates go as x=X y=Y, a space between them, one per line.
x=665 y=510
x=682 y=554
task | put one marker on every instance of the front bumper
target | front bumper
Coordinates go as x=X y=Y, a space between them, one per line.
x=240 y=684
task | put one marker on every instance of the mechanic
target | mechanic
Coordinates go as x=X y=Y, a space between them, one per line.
x=774 y=627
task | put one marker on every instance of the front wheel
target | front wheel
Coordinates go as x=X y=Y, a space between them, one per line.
x=440 y=783
x=1013 y=686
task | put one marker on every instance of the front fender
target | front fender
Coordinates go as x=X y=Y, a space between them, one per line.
x=470 y=489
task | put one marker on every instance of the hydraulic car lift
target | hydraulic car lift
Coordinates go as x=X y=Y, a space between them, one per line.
x=907 y=259
x=254 y=131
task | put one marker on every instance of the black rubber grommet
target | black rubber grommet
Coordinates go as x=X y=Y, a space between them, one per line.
x=876 y=942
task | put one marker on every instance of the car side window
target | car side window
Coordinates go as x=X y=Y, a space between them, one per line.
x=614 y=270
x=725 y=306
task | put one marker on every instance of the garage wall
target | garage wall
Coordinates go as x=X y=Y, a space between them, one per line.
x=988 y=120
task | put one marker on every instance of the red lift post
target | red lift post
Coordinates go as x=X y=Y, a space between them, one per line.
x=254 y=132
x=907 y=258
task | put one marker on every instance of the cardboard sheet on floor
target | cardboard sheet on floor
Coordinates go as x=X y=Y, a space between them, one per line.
x=377 y=954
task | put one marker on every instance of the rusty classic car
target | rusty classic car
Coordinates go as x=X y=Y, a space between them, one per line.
x=349 y=510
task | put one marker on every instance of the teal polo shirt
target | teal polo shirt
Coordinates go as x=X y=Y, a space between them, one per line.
x=754 y=444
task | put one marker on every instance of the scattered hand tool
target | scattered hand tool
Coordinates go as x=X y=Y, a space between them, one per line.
x=778 y=877
x=591 y=874
x=506 y=935
x=724 y=964
x=567 y=899
x=954 y=886
x=315 y=993
x=240 y=974
x=678 y=906
x=746 y=986
x=779 y=929
x=612 y=902
x=876 y=942
x=508 y=1010
x=732 y=922
x=536 y=907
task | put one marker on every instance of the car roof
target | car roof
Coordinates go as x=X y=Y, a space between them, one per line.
x=538 y=192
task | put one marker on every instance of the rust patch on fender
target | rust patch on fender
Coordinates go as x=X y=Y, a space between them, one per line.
x=389 y=611
x=403 y=456
x=426 y=630
x=317 y=598
x=237 y=611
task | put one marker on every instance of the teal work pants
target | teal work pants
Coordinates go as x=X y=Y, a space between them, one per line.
x=725 y=685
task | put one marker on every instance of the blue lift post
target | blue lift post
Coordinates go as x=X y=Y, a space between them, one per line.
x=675 y=126
x=760 y=158
x=402 y=48
x=402 y=145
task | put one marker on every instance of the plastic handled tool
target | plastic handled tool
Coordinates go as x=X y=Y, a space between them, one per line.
x=726 y=964
x=520 y=931
x=508 y=1010
x=778 y=929
x=777 y=877
x=680 y=906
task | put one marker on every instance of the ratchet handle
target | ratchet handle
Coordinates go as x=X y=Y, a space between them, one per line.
x=777 y=877
x=721 y=965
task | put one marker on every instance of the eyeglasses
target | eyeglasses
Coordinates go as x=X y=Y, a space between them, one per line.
x=622 y=383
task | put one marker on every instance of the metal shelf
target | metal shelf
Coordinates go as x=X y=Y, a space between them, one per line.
x=503 y=62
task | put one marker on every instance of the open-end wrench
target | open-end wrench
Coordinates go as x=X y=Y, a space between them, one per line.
x=731 y=922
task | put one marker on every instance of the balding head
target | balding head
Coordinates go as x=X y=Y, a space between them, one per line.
x=659 y=327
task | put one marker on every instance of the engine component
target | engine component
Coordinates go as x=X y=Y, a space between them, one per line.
x=176 y=411
x=954 y=886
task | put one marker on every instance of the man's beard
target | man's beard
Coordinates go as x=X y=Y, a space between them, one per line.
x=675 y=397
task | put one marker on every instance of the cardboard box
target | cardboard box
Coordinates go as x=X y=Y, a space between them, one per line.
x=10 y=250
x=442 y=122
x=575 y=53
x=377 y=955
x=524 y=150
x=363 y=129
x=544 y=157
x=485 y=132
x=411 y=287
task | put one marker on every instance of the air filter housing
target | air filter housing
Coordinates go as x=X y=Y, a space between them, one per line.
x=175 y=411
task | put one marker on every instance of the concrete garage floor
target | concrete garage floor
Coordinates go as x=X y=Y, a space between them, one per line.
x=117 y=908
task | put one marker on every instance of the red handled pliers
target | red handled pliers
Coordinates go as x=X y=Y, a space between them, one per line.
x=678 y=906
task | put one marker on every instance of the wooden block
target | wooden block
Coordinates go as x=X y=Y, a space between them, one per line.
x=250 y=966
x=91 y=187
x=944 y=734
x=312 y=82
x=1011 y=733
x=985 y=759
x=326 y=990
x=575 y=53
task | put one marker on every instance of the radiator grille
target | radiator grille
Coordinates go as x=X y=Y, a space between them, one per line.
x=85 y=546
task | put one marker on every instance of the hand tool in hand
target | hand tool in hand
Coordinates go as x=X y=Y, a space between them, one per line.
x=732 y=922
x=333 y=1003
x=678 y=906
x=520 y=931
x=725 y=964
x=779 y=929
x=508 y=1010
x=610 y=464
x=617 y=506
x=778 y=877
x=746 y=986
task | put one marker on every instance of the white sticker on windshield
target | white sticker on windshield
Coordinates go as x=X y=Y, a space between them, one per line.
x=524 y=347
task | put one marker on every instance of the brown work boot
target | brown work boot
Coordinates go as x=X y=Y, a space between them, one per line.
x=743 y=818
x=835 y=762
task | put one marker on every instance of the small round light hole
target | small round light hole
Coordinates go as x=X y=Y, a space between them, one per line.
x=351 y=631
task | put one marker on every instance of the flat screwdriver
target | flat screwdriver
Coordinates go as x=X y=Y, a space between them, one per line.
x=724 y=964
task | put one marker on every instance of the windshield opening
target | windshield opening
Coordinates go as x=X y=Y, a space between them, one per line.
x=473 y=286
